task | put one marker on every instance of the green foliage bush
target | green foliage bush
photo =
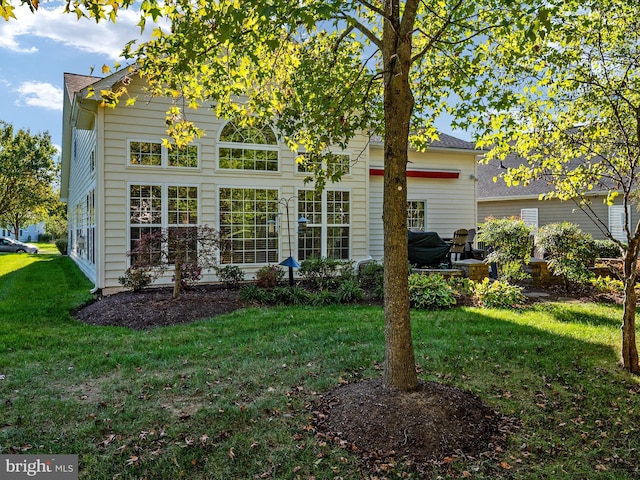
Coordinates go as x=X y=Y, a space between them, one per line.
x=430 y=292
x=461 y=285
x=607 y=249
x=323 y=298
x=62 y=245
x=350 y=291
x=290 y=295
x=509 y=241
x=231 y=275
x=255 y=294
x=269 y=276
x=371 y=277
x=322 y=273
x=608 y=285
x=498 y=294
x=569 y=251
x=136 y=278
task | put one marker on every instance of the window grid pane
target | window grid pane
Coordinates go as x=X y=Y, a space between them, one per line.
x=183 y=157
x=416 y=216
x=183 y=241
x=244 y=213
x=145 y=153
x=145 y=204
x=337 y=208
x=183 y=205
x=310 y=244
x=338 y=242
x=334 y=162
x=153 y=252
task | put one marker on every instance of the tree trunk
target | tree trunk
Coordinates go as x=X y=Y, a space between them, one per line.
x=629 y=354
x=399 y=364
x=177 y=276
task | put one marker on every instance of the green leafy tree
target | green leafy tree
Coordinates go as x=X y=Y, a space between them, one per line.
x=510 y=245
x=569 y=252
x=323 y=71
x=27 y=170
x=575 y=116
x=55 y=219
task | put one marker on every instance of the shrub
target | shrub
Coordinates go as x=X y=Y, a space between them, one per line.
x=371 y=274
x=607 y=249
x=231 y=275
x=269 y=276
x=569 y=252
x=290 y=295
x=323 y=298
x=61 y=245
x=321 y=273
x=136 y=278
x=608 y=285
x=350 y=291
x=253 y=293
x=509 y=244
x=430 y=292
x=498 y=294
x=461 y=285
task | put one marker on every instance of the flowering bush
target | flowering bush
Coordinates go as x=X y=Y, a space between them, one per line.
x=269 y=276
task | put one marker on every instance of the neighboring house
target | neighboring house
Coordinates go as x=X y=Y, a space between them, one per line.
x=496 y=199
x=28 y=234
x=119 y=183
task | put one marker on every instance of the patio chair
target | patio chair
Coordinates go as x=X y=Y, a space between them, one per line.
x=458 y=244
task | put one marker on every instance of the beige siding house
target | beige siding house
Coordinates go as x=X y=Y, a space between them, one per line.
x=120 y=182
x=496 y=199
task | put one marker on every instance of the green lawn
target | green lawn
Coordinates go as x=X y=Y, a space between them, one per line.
x=231 y=398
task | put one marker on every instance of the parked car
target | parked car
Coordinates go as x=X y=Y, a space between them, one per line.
x=10 y=245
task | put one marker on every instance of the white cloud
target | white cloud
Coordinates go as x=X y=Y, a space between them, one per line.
x=39 y=94
x=104 y=38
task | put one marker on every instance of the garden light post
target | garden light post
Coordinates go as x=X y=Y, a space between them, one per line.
x=290 y=262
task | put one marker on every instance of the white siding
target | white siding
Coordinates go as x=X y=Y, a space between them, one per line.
x=451 y=203
x=145 y=121
x=81 y=181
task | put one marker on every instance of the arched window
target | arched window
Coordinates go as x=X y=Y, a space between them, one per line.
x=248 y=148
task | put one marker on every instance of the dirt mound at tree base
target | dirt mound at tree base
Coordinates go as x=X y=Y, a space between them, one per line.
x=421 y=427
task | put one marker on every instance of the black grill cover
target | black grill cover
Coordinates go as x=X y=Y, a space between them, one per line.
x=426 y=249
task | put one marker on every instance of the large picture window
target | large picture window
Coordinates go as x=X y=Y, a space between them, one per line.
x=248 y=148
x=148 y=153
x=328 y=229
x=157 y=208
x=244 y=213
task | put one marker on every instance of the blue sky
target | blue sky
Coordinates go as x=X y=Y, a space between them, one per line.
x=35 y=52
x=37 y=49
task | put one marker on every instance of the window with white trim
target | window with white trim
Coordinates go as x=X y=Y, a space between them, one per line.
x=248 y=148
x=244 y=216
x=161 y=207
x=333 y=163
x=417 y=215
x=154 y=154
x=328 y=232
